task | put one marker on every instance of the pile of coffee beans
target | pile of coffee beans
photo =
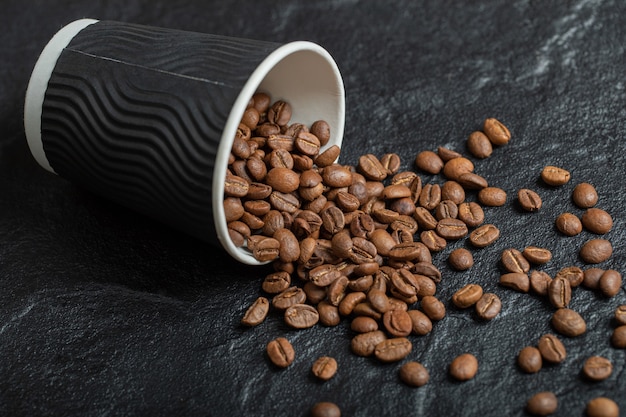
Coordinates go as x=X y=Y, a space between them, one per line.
x=356 y=243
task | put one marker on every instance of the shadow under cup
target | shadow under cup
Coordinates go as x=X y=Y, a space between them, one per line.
x=146 y=117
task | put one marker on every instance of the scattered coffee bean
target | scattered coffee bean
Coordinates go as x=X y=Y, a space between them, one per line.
x=539 y=282
x=453 y=191
x=597 y=221
x=471 y=214
x=363 y=324
x=595 y=251
x=397 y=323
x=555 y=176
x=537 y=255
x=551 y=349
x=529 y=200
x=514 y=261
x=280 y=352
x=467 y=296
x=454 y=168
x=421 y=324
x=492 y=196
x=597 y=368
x=620 y=314
x=585 y=195
x=291 y=296
x=602 y=407
x=488 y=306
x=610 y=283
x=542 y=404
x=461 y=259
x=530 y=360
x=324 y=368
x=591 y=278
x=560 y=292
x=429 y=162
x=568 y=322
x=434 y=309
x=325 y=409
x=573 y=274
x=393 y=350
x=478 y=145
x=414 y=374
x=364 y=344
x=497 y=133
x=568 y=224
x=618 y=338
x=301 y=316
x=464 y=367
x=518 y=281
x=447 y=154
x=329 y=314
x=484 y=235
x=257 y=312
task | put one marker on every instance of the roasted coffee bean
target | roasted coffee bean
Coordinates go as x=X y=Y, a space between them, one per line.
x=364 y=344
x=488 y=306
x=451 y=229
x=363 y=324
x=425 y=286
x=397 y=304
x=253 y=222
x=479 y=145
x=337 y=176
x=289 y=250
x=325 y=409
x=461 y=259
x=280 y=142
x=350 y=301
x=382 y=240
x=595 y=251
x=256 y=313
x=454 y=168
x=591 y=277
x=324 y=275
x=267 y=249
x=405 y=223
x=446 y=209
x=585 y=195
x=568 y=322
x=404 y=282
x=574 y=275
x=539 y=282
x=428 y=270
x=492 y=196
x=406 y=178
x=396 y=191
x=329 y=314
x=328 y=157
x=324 y=368
x=397 y=323
x=467 y=296
x=261 y=102
x=551 y=349
x=233 y=209
x=519 y=281
x=378 y=300
x=366 y=309
x=393 y=350
x=430 y=196
x=464 y=367
x=529 y=360
x=284 y=202
x=276 y=282
x=257 y=207
x=433 y=241
x=307 y=143
x=529 y=200
x=602 y=407
x=333 y=219
x=447 y=154
x=301 y=316
x=597 y=368
x=321 y=129
x=279 y=158
x=429 y=162
x=337 y=290
x=414 y=374
x=371 y=168
x=472 y=181
x=267 y=129
x=453 y=191
x=347 y=202
x=618 y=338
x=513 y=261
x=560 y=292
x=597 y=221
x=421 y=324
x=424 y=218
x=258 y=191
x=620 y=314
x=289 y=297
x=555 y=176
x=497 y=133
x=433 y=308
x=542 y=404
x=569 y=224
x=471 y=214
x=279 y=113
x=537 y=255
x=235 y=186
x=407 y=251
x=280 y=352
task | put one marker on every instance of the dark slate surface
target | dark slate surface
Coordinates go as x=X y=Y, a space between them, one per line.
x=107 y=313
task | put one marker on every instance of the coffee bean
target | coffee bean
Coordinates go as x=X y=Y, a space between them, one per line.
x=235 y=186
x=497 y=133
x=585 y=195
x=513 y=261
x=433 y=241
x=378 y=299
x=337 y=290
x=620 y=314
x=324 y=275
x=301 y=316
x=366 y=309
x=267 y=249
x=591 y=277
x=595 y=251
x=492 y=196
x=321 y=129
x=307 y=143
x=280 y=352
x=430 y=196
x=597 y=221
x=472 y=181
x=433 y=308
x=333 y=220
x=518 y=281
x=537 y=255
x=257 y=312
x=568 y=224
x=539 y=282
x=397 y=323
x=391 y=162
x=364 y=344
x=393 y=350
x=529 y=200
x=529 y=360
x=602 y=407
x=555 y=176
x=289 y=297
x=451 y=229
x=446 y=209
x=414 y=374
x=325 y=409
x=284 y=202
x=568 y=322
x=488 y=306
x=447 y=154
x=324 y=368
x=350 y=301
x=484 y=235
x=560 y=292
x=276 y=282
x=258 y=191
x=542 y=404
x=233 y=209
x=464 y=367
x=467 y=296
x=429 y=162
x=453 y=191
x=461 y=259
x=454 y=168
x=471 y=214
x=337 y=176
x=407 y=251
x=421 y=324
x=618 y=338
x=371 y=168
x=573 y=274
x=424 y=218
x=427 y=269
x=479 y=145
x=551 y=349
x=363 y=324
x=597 y=368
x=329 y=314
x=328 y=157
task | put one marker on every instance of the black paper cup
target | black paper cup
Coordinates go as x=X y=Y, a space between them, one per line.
x=146 y=116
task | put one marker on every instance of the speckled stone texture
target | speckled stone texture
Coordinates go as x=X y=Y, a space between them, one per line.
x=107 y=313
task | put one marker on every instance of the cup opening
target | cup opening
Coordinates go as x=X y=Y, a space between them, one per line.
x=301 y=73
